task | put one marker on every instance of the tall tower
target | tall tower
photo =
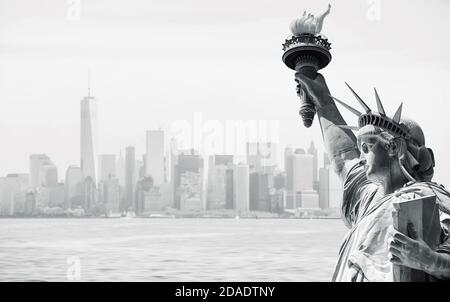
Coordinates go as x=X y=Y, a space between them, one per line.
x=130 y=177
x=106 y=167
x=88 y=134
x=154 y=156
x=37 y=161
x=242 y=188
x=302 y=171
x=313 y=151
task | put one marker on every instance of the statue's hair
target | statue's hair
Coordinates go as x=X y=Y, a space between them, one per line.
x=415 y=130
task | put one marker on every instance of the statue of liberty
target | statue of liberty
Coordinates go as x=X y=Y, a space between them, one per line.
x=386 y=162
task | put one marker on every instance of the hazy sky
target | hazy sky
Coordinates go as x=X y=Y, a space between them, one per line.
x=157 y=62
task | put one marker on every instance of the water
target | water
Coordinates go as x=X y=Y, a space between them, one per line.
x=169 y=249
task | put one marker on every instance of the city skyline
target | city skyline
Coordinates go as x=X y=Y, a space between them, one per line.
x=184 y=178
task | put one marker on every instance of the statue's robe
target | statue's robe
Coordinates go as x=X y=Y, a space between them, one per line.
x=367 y=212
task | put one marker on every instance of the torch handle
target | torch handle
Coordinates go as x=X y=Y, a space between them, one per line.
x=307 y=108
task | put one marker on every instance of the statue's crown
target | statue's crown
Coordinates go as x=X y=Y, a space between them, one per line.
x=379 y=119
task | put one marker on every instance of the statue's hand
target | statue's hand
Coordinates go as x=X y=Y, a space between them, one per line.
x=411 y=252
x=316 y=88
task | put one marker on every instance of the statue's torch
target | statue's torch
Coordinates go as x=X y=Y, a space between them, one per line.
x=307 y=51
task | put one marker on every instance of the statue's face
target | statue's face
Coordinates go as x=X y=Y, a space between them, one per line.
x=376 y=155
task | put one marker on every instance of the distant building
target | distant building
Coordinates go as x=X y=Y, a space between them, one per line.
x=223 y=160
x=190 y=190
x=156 y=198
x=187 y=161
x=36 y=161
x=324 y=188
x=299 y=176
x=279 y=181
x=303 y=171
x=13 y=190
x=217 y=181
x=90 y=196
x=110 y=197
x=229 y=189
x=49 y=175
x=52 y=197
x=289 y=169
x=44 y=182
x=42 y=171
x=140 y=168
x=307 y=200
x=88 y=136
x=120 y=169
x=193 y=203
x=144 y=195
x=313 y=151
x=130 y=178
x=107 y=166
x=259 y=192
x=155 y=156
x=74 y=188
x=242 y=188
x=30 y=203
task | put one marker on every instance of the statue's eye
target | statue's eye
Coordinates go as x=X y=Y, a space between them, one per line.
x=364 y=148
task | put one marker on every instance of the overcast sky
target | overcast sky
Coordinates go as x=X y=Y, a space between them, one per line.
x=157 y=62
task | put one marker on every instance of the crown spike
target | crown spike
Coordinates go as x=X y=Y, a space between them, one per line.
x=379 y=104
x=346 y=127
x=398 y=114
x=364 y=105
x=353 y=110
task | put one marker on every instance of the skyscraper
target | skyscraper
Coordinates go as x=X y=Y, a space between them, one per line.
x=74 y=187
x=242 y=188
x=217 y=180
x=303 y=171
x=299 y=179
x=106 y=166
x=229 y=189
x=154 y=161
x=289 y=168
x=313 y=151
x=188 y=172
x=49 y=175
x=121 y=169
x=88 y=135
x=259 y=192
x=12 y=194
x=130 y=177
x=36 y=163
x=324 y=188
x=335 y=186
